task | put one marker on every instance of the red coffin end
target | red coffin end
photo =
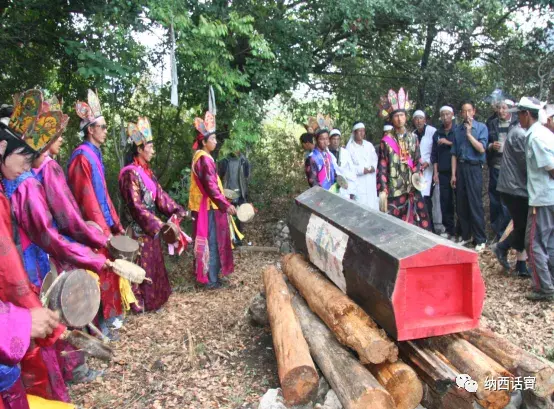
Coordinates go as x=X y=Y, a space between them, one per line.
x=439 y=291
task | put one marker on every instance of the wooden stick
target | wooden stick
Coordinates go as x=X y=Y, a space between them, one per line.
x=297 y=373
x=354 y=385
x=351 y=325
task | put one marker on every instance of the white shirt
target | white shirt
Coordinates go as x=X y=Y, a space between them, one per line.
x=425 y=148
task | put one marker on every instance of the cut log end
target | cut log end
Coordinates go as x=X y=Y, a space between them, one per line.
x=378 y=352
x=402 y=383
x=300 y=385
x=495 y=400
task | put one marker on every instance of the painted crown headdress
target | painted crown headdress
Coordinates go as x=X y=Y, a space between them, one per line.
x=394 y=102
x=139 y=133
x=36 y=121
x=319 y=123
x=89 y=112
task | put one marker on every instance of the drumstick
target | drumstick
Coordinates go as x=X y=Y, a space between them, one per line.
x=98 y=332
x=44 y=298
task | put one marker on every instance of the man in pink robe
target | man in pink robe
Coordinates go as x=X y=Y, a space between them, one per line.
x=61 y=202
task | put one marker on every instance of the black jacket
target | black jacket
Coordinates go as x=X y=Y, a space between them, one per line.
x=441 y=154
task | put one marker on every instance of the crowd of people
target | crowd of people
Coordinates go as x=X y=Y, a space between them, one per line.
x=412 y=170
x=55 y=224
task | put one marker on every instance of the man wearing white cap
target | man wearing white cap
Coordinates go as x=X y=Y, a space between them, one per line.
x=539 y=236
x=441 y=157
x=343 y=164
x=425 y=134
x=364 y=159
x=498 y=132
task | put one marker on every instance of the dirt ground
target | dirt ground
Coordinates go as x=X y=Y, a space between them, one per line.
x=201 y=351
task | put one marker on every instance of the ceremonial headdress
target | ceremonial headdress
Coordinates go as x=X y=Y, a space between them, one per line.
x=139 y=133
x=319 y=124
x=206 y=126
x=35 y=121
x=392 y=103
x=89 y=112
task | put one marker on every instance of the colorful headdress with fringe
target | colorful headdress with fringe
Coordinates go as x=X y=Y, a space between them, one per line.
x=91 y=112
x=205 y=128
x=139 y=133
x=37 y=122
x=319 y=123
x=393 y=102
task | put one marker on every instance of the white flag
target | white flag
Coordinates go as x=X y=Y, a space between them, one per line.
x=174 y=79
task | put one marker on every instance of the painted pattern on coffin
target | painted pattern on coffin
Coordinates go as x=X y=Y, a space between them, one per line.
x=326 y=247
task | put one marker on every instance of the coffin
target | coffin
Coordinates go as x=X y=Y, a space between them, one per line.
x=413 y=283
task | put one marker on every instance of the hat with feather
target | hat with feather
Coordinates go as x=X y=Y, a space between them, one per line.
x=89 y=112
x=394 y=102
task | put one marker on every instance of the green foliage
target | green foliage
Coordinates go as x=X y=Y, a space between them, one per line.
x=277 y=163
x=180 y=188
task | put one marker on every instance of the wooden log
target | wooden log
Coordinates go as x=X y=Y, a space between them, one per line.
x=430 y=368
x=412 y=283
x=354 y=385
x=259 y=249
x=352 y=326
x=401 y=381
x=467 y=359
x=514 y=359
x=297 y=373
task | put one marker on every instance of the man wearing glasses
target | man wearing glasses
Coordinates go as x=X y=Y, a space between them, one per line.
x=88 y=183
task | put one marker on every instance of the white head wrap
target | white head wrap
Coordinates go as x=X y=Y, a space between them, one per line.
x=335 y=132
x=446 y=108
x=419 y=112
x=359 y=125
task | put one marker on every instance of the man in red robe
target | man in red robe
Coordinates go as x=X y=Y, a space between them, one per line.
x=88 y=184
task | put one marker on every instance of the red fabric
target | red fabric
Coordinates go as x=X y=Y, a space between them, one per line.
x=80 y=182
x=15 y=397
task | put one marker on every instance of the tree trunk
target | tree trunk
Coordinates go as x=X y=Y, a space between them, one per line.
x=467 y=359
x=354 y=385
x=400 y=381
x=352 y=326
x=516 y=360
x=297 y=372
x=430 y=368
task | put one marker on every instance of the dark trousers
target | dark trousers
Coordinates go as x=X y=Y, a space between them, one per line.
x=469 y=186
x=447 y=202
x=518 y=208
x=500 y=217
x=429 y=206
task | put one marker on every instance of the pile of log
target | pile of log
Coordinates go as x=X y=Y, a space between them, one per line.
x=313 y=319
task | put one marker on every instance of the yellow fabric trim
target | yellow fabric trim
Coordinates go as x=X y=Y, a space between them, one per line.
x=95 y=276
x=127 y=296
x=36 y=402
x=195 y=195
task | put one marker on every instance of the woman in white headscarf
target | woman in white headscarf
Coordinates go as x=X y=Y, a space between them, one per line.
x=364 y=158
